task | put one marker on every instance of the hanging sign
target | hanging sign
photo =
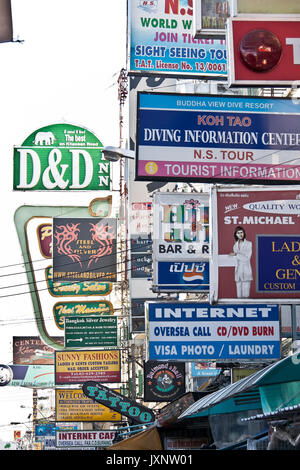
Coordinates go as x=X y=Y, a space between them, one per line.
x=84 y=249
x=127 y=407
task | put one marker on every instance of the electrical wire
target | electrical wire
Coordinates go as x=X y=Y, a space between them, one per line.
x=66 y=283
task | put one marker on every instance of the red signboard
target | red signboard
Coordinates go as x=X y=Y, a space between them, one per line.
x=263 y=51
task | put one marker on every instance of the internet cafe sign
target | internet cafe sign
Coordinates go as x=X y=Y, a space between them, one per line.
x=61 y=157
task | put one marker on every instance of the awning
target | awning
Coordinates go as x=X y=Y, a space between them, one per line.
x=285 y=370
x=145 y=440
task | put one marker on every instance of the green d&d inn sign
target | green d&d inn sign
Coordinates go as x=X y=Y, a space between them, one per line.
x=61 y=157
x=91 y=332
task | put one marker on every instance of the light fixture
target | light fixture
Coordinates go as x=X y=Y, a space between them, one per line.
x=113 y=154
x=260 y=50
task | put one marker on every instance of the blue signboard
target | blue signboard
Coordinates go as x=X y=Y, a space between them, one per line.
x=197 y=137
x=199 y=369
x=179 y=276
x=282 y=271
x=188 y=331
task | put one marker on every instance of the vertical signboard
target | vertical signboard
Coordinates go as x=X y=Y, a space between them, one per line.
x=256 y=244
x=162 y=41
x=84 y=249
x=61 y=157
x=181 y=242
x=140 y=239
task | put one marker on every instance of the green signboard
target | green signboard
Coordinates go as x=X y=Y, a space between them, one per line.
x=91 y=331
x=61 y=157
x=67 y=288
x=78 y=309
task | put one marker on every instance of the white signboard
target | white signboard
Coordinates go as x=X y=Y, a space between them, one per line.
x=85 y=438
x=181 y=226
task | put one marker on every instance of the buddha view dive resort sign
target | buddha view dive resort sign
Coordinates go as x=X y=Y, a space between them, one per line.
x=61 y=157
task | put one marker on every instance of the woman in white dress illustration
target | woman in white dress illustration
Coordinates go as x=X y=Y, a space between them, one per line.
x=242 y=249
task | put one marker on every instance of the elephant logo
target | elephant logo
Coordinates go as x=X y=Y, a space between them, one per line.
x=44 y=138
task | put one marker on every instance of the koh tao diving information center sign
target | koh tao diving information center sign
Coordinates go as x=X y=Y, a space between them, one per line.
x=162 y=41
x=187 y=331
x=61 y=157
x=217 y=138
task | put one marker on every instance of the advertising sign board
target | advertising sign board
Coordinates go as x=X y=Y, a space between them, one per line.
x=163 y=381
x=189 y=331
x=84 y=249
x=181 y=234
x=70 y=289
x=61 y=157
x=91 y=332
x=78 y=366
x=268 y=7
x=256 y=244
x=263 y=50
x=85 y=438
x=209 y=17
x=162 y=41
x=31 y=350
x=72 y=405
x=181 y=223
x=124 y=405
x=39 y=376
x=62 y=310
x=204 y=369
x=217 y=138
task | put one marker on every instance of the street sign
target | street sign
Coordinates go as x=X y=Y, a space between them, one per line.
x=91 y=331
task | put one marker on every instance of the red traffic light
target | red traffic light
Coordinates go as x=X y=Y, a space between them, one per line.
x=260 y=50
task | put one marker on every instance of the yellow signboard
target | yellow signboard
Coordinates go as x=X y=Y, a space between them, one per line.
x=79 y=366
x=268 y=6
x=74 y=405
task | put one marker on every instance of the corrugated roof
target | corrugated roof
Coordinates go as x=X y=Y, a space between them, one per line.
x=284 y=370
x=281 y=413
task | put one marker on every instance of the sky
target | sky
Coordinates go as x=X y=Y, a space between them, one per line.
x=64 y=70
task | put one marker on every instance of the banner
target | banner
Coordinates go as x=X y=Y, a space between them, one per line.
x=189 y=331
x=217 y=138
x=256 y=244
